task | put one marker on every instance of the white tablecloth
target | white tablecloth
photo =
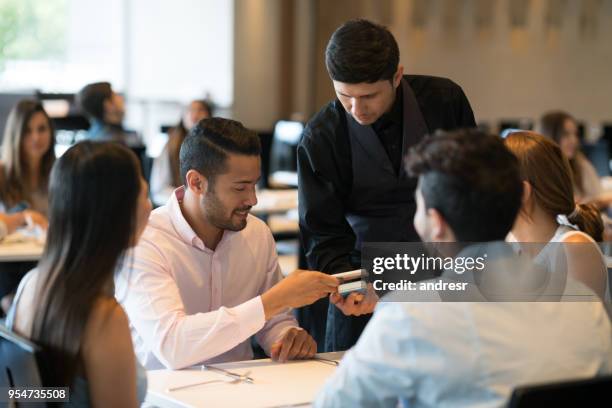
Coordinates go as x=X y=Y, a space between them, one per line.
x=275 y=384
x=19 y=247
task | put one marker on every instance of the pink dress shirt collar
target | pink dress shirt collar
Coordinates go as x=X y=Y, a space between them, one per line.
x=182 y=227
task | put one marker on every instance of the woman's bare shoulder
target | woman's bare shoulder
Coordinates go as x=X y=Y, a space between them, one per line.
x=107 y=322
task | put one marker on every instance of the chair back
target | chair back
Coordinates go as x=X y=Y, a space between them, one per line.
x=592 y=392
x=19 y=364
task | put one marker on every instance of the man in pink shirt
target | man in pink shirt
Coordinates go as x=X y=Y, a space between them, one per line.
x=204 y=277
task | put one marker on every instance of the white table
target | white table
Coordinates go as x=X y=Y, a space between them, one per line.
x=283 y=179
x=18 y=247
x=275 y=201
x=293 y=383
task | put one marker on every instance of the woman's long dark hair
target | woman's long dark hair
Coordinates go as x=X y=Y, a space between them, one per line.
x=15 y=185
x=94 y=191
x=176 y=136
x=552 y=125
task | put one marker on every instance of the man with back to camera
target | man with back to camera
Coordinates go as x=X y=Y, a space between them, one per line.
x=105 y=110
x=352 y=188
x=204 y=277
x=466 y=354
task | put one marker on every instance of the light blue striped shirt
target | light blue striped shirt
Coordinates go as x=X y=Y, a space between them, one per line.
x=468 y=354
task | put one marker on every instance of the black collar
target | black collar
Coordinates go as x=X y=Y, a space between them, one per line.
x=394 y=116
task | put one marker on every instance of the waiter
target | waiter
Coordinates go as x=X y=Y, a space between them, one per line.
x=352 y=185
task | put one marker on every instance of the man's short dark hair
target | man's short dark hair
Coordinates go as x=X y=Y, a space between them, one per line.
x=361 y=51
x=208 y=143
x=472 y=179
x=91 y=99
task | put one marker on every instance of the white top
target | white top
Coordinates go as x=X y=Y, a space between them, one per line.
x=555 y=261
x=188 y=304
x=468 y=354
x=548 y=255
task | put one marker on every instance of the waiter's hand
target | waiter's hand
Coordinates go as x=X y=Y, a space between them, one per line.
x=356 y=304
x=294 y=344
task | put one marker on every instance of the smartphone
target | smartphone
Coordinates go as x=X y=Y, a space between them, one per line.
x=346 y=288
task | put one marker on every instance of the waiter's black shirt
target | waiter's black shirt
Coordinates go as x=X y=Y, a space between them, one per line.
x=388 y=128
x=325 y=167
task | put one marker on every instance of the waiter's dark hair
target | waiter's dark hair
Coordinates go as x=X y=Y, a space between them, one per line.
x=206 y=146
x=472 y=179
x=361 y=51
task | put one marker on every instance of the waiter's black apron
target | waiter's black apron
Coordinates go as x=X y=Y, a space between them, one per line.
x=381 y=205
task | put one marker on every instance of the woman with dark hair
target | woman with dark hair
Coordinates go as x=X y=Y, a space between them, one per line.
x=165 y=175
x=67 y=304
x=563 y=129
x=27 y=157
x=549 y=214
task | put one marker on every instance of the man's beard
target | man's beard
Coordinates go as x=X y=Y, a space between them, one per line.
x=215 y=214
